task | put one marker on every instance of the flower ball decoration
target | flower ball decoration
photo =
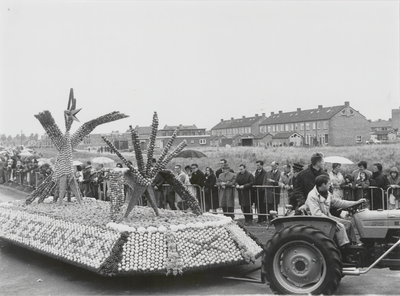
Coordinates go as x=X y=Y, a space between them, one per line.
x=140 y=179
x=172 y=243
x=63 y=177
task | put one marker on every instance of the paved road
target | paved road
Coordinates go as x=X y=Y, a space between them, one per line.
x=24 y=272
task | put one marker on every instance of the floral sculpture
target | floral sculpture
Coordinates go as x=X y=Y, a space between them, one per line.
x=62 y=177
x=140 y=179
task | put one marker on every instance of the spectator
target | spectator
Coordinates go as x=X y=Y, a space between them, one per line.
x=297 y=168
x=348 y=188
x=226 y=193
x=337 y=183
x=86 y=179
x=360 y=186
x=259 y=193
x=319 y=202
x=210 y=191
x=157 y=184
x=197 y=178
x=362 y=167
x=272 y=194
x=244 y=182
x=222 y=162
x=184 y=178
x=305 y=180
x=79 y=179
x=378 y=180
x=394 y=184
x=285 y=183
x=337 y=180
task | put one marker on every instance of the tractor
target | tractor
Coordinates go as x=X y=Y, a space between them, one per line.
x=303 y=258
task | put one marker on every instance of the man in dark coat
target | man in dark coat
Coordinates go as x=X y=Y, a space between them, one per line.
x=197 y=178
x=244 y=182
x=157 y=184
x=305 y=180
x=87 y=178
x=258 y=193
x=272 y=194
x=378 y=179
x=222 y=162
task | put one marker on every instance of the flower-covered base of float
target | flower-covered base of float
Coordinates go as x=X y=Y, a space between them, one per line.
x=172 y=243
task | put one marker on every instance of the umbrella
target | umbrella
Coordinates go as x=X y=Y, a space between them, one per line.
x=338 y=159
x=76 y=163
x=25 y=153
x=102 y=160
x=189 y=153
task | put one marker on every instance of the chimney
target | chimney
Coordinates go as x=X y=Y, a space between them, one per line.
x=256 y=115
x=319 y=106
x=222 y=120
x=280 y=111
x=232 y=118
x=272 y=113
x=346 y=104
x=298 y=109
x=263 y=114
x=243 y=116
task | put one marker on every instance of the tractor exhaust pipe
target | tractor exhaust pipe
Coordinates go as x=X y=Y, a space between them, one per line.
x=356 y=271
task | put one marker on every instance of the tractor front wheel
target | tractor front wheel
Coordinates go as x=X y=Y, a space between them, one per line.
x=301 y=260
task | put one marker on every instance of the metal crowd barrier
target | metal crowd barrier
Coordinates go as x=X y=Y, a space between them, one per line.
x=368 y=194
x=393 y=203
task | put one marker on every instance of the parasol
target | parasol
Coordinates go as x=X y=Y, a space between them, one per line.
x=190 y=153
x=25 y=153
x=103 y=160
x=76 y=163
x=338 y=159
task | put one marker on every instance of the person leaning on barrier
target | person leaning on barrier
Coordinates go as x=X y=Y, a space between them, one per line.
x=157 y=184
x=259 y=193
x=305 y=180
x=297 y=168
x=226 y=191
x=394 y=184
x=244 y=182
x=378 y=179
x=272 y=195
x=197 y=178
x=210 y=191
x=319 y=202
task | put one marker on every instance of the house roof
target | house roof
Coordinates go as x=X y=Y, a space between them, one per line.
x=383 y=132
x=381 y=123
x=262 y=135
x=181 y=127
x=217 y=137
x=284 y=135
x=248 y=136
x=239 y=122
x=142 y=130
x=320 y=113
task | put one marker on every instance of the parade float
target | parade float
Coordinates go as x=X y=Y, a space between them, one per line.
x=118 y=237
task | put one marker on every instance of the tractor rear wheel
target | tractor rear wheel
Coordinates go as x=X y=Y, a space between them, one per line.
x=301 y=260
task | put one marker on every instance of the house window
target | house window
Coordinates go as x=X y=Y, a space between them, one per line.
x=307 y=127
x=273 y=128
x=358 y=139
x=202 y=141
x=269 y=129
x=313 y=125
x=287 y=127
x=302 y=126
x=325 y=124
x=319 y=124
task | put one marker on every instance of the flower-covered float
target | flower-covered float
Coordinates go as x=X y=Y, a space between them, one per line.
x=117 y=237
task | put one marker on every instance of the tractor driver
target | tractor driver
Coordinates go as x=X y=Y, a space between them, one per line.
x=319 y=201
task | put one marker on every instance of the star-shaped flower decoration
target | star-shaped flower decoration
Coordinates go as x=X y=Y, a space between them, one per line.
x=70 y=113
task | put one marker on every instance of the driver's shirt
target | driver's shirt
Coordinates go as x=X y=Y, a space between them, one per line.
x=319 y=205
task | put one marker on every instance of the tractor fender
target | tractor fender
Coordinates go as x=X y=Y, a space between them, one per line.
x=325 y=224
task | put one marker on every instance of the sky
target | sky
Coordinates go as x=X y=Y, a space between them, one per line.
x=194 y=62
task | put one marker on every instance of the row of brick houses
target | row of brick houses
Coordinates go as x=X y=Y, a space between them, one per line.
x=335 y=126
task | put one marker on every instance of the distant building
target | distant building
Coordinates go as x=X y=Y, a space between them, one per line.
x=240 y=126
x=336 y=126
x=184 y=130
x=386 y=130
